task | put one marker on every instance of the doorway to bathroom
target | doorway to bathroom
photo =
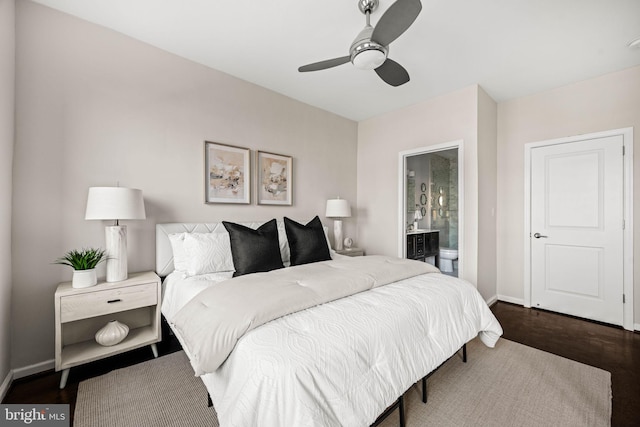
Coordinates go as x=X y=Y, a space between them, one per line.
x=430 y=205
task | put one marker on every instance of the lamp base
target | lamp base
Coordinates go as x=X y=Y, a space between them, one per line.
x=337 y=234
x=116 y=242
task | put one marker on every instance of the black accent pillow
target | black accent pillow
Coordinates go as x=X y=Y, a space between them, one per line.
x=254 y=251
x=307 y=243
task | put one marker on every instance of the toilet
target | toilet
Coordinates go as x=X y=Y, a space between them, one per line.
x=447 y=256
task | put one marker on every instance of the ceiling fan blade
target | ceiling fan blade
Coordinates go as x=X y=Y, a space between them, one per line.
x=392 y=73
x=395 y=21
x=322 y=65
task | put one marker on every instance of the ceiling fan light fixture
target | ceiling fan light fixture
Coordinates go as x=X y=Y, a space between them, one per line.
x=369 y=59
x=370 y=49
x=368 y=55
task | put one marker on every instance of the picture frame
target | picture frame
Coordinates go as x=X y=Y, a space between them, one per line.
x=227 y=173
x=274 y=179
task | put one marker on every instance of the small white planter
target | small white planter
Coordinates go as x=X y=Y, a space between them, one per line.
x=112 y=333
x=84 y=278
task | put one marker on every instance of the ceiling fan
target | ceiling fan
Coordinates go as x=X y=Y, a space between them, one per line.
x=370 y=49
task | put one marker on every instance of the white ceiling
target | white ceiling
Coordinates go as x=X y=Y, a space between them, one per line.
x=509 y=47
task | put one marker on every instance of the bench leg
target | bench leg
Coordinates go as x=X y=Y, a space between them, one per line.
x=401 y=409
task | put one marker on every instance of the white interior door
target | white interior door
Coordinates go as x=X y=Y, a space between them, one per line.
x=576 y=234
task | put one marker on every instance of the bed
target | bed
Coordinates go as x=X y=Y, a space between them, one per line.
x=331 y=342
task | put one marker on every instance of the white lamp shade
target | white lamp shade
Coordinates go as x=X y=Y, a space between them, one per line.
x=115 y=203
x=338 y=208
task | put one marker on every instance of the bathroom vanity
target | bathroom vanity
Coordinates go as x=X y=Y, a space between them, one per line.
x=422 y=244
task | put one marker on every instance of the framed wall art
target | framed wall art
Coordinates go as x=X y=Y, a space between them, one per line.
x=227 y=173
x=274 y=180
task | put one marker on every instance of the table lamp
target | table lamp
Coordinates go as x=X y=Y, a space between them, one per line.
x=115 y=203
x=338 y=208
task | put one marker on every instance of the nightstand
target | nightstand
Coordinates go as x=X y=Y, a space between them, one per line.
x=80 y=313
x=351 y=252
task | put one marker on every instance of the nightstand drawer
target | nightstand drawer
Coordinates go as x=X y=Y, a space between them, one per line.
x=94 y=304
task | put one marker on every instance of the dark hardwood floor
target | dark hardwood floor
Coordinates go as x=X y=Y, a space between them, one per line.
x=606 y=347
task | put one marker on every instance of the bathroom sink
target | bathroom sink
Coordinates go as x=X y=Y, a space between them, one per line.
x=419 y=230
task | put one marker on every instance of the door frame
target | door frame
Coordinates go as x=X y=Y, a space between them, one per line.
x=402 y=195
x=627 y=164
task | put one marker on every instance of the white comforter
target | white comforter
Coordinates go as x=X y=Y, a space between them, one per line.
x=343 y=363
x=212 y=323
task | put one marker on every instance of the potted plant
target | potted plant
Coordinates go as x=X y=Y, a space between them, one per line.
x=84 y=264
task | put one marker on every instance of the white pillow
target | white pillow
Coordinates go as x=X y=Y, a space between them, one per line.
x=326 y=235
x=180 y=261
x=285 y=252
x=207 y=253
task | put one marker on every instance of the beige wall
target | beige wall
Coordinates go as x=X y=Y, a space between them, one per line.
x=380 y=140
x=487 y=181
x=7 y=75
x=95 y=108
x=604 y=103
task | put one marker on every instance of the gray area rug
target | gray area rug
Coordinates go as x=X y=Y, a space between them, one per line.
x=511 y=385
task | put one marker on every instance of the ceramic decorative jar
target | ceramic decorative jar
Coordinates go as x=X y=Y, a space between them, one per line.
x=112 y=333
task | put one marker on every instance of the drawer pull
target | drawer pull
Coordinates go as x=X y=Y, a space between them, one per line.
x=113 y=300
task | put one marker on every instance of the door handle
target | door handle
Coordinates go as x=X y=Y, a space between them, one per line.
x=538 y=235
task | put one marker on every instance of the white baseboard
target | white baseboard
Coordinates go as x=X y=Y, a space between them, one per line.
x=512 y=300
x=36 y=368
x=4 y=387
x=636 y=327
x=492 y=300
